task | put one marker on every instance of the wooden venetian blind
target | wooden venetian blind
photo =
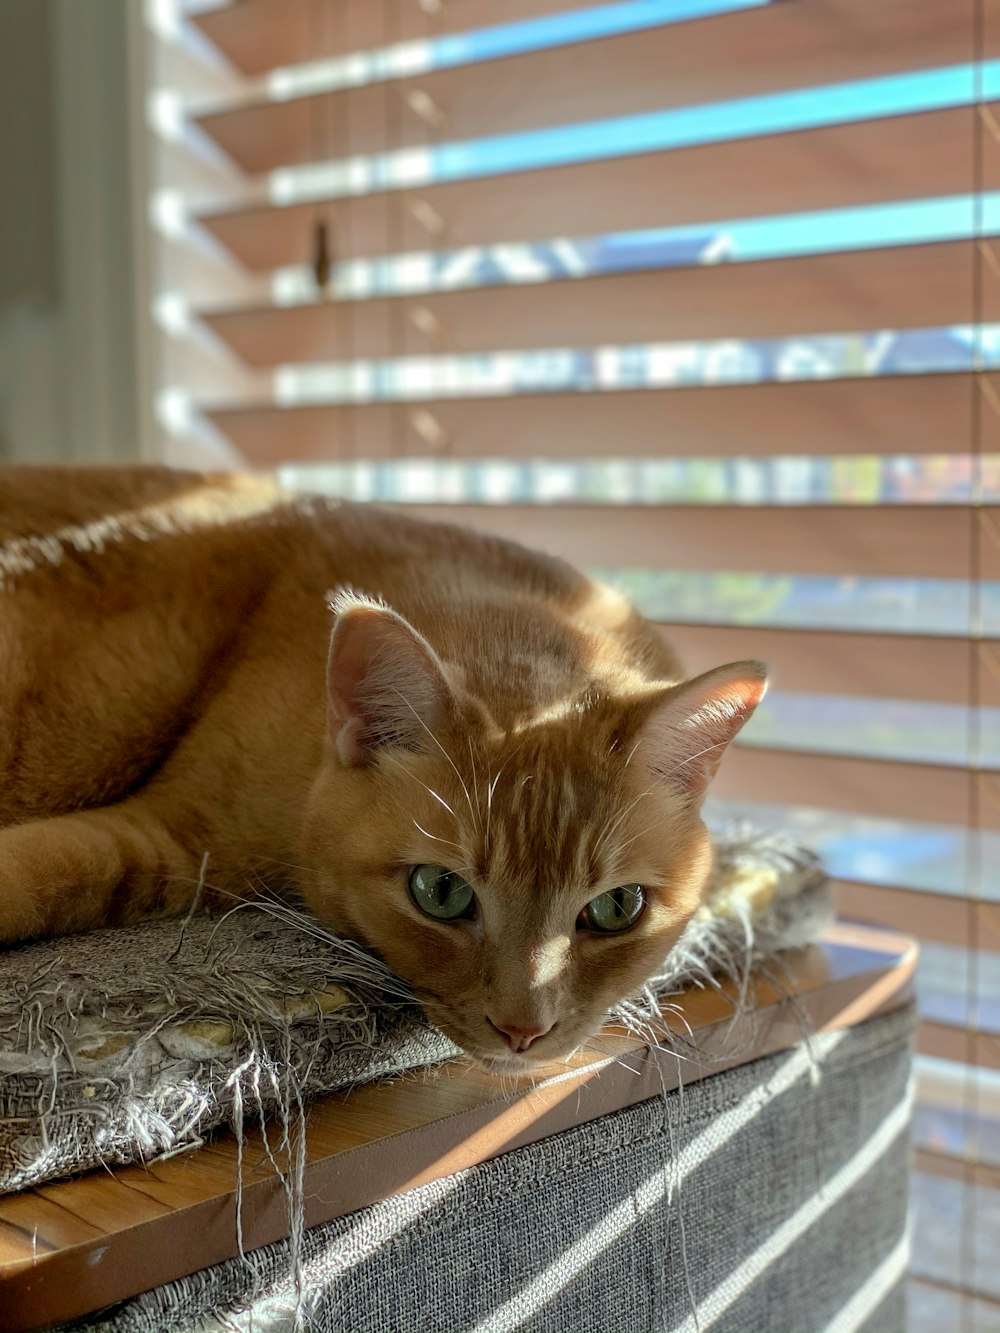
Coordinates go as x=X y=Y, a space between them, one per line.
x=703 y=295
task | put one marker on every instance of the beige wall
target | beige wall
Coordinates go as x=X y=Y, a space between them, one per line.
x=30 y=324
x=28 y=266
x=70 y=341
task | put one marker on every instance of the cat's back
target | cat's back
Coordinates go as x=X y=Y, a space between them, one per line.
x=124 y=595
x=128 y=596
x=37 y=501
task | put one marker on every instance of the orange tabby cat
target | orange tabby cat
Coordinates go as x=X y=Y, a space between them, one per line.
x=487 y=773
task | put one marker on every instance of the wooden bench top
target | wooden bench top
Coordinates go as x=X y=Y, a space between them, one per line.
x=70 y=1248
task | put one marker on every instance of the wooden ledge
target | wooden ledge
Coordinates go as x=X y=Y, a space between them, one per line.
x=70 y=1248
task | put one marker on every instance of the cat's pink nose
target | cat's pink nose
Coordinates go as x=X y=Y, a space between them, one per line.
x=517 y=1037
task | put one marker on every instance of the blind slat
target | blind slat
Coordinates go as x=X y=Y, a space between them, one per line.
x=881 y=788
x=259 y=35
x=890 y=666
x=924 y=154
x=919 y=415
x=906 y=541
x=674 y=65
x=946 y=1041
x=913 y=285
x=943 y=918
x=956 y=1167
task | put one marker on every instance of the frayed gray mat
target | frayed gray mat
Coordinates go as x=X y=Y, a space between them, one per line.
x=127 y=1045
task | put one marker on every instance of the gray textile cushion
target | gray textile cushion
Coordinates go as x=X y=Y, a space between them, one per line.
x=124 y=1045
x=770 y=1199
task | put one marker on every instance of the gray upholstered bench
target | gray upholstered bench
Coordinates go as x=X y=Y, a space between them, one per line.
x=768 y=1192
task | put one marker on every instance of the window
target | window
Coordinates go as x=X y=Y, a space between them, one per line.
x=701 y=294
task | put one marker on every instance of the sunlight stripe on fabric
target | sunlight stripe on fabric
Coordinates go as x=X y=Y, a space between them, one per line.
x=728 y=1292
x=873 y=1292
x=525 y=1303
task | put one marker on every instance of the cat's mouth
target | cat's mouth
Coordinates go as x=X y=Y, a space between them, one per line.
x=501 y=1065
x=540 y=1057
x=496 y=1059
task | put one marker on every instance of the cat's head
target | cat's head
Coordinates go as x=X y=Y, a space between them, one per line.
x=523 y=881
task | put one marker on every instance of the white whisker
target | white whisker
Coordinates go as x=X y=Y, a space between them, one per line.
x=621 y=817
x=475 y=773
x=632 y=752
x=420 y=782
x=716 y=745
x=445 y=842
x=454 y=767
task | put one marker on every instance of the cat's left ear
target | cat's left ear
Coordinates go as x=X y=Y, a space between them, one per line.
x=386 y=685
x=685 y=737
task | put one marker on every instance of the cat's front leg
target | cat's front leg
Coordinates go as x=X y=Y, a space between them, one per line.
x=91 y=868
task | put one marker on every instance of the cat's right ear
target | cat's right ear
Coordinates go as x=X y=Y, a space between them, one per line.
x=386 y=686
x=687 y=734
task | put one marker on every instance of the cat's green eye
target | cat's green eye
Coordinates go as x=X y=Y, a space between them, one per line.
x=614 y=911
x=442 y=894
